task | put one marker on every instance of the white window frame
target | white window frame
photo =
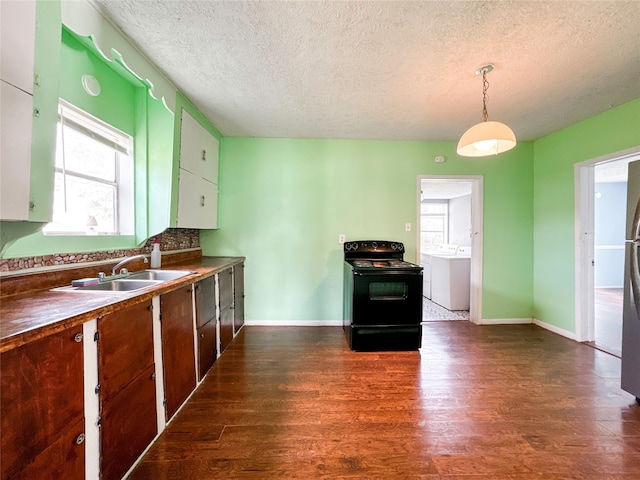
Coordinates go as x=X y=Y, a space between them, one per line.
x=444 y=216
x=70 y=116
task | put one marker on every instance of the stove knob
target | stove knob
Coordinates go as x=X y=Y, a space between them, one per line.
x=374 y=244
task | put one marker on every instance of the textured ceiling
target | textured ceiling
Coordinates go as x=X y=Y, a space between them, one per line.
x=390 y=70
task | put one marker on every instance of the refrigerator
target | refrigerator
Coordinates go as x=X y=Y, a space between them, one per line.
x=630 y=378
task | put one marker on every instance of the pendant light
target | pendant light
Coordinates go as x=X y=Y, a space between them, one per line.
x=486 y=138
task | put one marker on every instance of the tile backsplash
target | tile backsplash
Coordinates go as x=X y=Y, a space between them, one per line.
x=172 y=239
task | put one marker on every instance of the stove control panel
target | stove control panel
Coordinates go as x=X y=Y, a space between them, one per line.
x=373 y=246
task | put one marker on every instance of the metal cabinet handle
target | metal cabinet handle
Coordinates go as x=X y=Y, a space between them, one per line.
x=78 y=337
x=202 y=201
x=80 y=439
x=204 y=155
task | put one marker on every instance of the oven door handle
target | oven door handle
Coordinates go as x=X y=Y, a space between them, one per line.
x=385 y=273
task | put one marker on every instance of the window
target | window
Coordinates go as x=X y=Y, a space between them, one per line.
x=93 y=191
x=433 y=224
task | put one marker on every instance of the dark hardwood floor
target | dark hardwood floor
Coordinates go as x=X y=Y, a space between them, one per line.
x=477 y=403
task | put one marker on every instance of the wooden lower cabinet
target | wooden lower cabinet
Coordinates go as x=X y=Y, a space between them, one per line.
x=125 y=347
x=126 y=372
x=205 y=301
x=238 y=297
x=178 y=354
x=207 y=347
x=128 y=425
x=226 y=328
x=42 y=408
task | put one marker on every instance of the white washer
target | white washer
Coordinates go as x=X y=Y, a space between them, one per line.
x=450 y=281
x=425 y=261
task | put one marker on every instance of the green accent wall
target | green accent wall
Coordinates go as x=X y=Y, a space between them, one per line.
x=554 y=205
x=284 y=202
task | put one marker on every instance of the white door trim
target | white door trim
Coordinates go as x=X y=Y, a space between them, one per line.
x=475 y=310
x=584 y=320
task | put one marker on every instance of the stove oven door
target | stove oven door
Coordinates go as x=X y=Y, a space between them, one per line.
x=386 y=298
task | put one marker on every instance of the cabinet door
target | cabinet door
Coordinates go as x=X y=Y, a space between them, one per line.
x=16 y=119
x=238 y=297
x=63 y=459
x=125 y=347
x=198 y=149
x=226 y=328
x=178 y=352
x=205 y=301
x=17 y=43
x=225 y=279
x=207 y=343
x=128 y=425
x=41 y=398
x=197 y=202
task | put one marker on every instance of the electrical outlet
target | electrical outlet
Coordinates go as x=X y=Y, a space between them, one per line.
x=407 y=227
x=341 y=238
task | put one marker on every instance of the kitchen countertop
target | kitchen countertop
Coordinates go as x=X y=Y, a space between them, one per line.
x=34 y=315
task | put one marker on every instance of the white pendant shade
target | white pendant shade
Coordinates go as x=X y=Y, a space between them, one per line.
x=486 y=138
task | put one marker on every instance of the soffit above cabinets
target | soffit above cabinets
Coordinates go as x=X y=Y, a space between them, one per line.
x=401 y=70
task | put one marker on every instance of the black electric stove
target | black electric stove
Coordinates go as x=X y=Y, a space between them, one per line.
x=382 y=297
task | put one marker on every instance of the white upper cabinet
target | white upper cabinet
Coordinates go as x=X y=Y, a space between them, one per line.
x=18 y=33
x=198 y=182
x=198 y=149
x=197 y=202
x=17 y=54
x=15 y=150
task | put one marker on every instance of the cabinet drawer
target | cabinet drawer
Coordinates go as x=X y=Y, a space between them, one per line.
x=226 y=288
x=178 y=351
x=226 y=328
x=198 y=149
x=62 y=459
x=125 y=347
x=128 y=425
x=197 y=202
x=207 y=347
x=17 y=40
x=16 y=117
x=205 y=301
x=41 y=394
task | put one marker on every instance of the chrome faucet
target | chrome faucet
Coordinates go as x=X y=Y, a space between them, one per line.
x=126 y=260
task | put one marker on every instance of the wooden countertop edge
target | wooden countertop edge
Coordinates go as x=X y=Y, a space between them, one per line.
x=205 y=267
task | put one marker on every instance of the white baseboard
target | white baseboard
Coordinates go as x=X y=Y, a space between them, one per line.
x=505 y=321
x=554 y=329
x=294 y=323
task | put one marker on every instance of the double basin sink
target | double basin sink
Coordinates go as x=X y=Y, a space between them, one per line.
x=134 y=281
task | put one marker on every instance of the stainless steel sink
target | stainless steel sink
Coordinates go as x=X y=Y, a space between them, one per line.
x=124 y=285
x=163 y=275
x=135 y=281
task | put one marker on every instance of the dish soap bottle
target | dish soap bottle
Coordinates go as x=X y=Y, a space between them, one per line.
x=155 y=254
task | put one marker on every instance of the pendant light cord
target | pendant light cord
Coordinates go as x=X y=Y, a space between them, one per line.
x=485 y=87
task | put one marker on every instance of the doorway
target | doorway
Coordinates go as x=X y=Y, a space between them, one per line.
x=450 y=246
x=601 y=191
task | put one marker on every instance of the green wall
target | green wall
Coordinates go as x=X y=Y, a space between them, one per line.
x=283 y=203
x=554 y=238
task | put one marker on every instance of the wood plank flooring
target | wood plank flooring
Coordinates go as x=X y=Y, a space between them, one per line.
x=477 y=402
